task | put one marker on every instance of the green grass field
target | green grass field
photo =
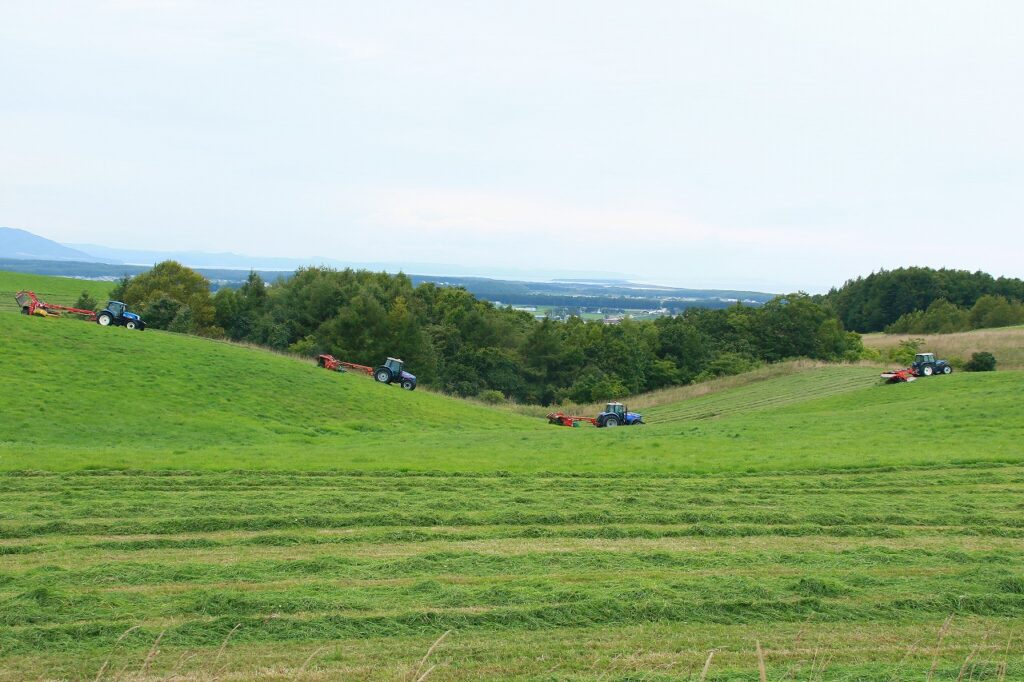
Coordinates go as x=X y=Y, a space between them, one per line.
x=178 y=508
x=59 y=290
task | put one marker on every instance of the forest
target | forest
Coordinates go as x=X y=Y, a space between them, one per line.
x=872 y=303
x=457 y=343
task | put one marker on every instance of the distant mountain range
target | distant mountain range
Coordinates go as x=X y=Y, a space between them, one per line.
x=24 y=245
x=22 y=251
x=228 y=260
x=15 y=243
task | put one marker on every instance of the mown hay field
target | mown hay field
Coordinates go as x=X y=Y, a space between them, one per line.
x=848 y=575
x=177 y=508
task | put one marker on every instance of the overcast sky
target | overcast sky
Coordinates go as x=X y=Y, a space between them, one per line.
x=773 y=145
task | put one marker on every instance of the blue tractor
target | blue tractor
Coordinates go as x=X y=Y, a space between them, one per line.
x=392 y=370
x=925 y=365
x=616 y=414
x=117 y=314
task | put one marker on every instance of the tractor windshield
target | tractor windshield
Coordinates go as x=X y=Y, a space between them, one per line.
x=394 y=365
x=616 y=408
x=115 y=307
x=925 y=357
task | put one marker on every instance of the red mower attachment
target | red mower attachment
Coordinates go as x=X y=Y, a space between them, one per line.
x=898 y=376
x=31 y=305
x=335 y=365
x=562 y=419
x=391 y=372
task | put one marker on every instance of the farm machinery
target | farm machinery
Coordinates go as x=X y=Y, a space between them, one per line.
x=615 y=414
x=924 y=365
x=392 y=371
x=115 y=314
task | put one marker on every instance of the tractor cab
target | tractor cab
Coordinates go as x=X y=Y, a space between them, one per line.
x=393 y=370
x=116 y=308
x=117 y=314
x=926 y=365
x=616 y=414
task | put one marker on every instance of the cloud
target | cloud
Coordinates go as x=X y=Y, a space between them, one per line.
x=470 y=214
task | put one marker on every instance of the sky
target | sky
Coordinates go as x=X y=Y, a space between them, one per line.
x=778 y=146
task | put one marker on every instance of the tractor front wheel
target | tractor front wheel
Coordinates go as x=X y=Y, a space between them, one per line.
x=383 y=376
x=130 y=324
x=104 y=319
x=947 y=370
x=408 y=385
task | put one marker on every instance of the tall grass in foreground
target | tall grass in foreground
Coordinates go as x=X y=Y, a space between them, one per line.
x=983 y=661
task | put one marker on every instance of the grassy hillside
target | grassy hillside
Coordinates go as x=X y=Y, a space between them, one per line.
x=77 y=395
x=1006 y=343
x=177 y=508
x=60 y=290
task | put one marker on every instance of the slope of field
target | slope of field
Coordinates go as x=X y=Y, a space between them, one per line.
x=59 y=290
x=808 y=385
x=1006 y=343
x=177 y=508
x=75 y=395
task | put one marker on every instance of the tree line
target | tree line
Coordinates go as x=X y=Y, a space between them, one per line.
x=870 y=304
x=462 y=345
x=943 y=317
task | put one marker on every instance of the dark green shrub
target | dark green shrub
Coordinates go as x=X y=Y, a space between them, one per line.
x=86 y=302
x=160 y=313
x=492 y=397
x=981 y=362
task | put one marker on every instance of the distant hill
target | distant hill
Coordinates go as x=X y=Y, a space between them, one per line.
x=28 y=253
x=513 y=292
x=23 y=245
x=237 y=261
x=198 y=259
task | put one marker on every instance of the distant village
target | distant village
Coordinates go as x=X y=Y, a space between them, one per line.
x=609 y=316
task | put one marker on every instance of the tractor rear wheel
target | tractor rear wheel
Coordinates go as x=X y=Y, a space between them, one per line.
x=104 y=319
x=928 y=370
x=383 y=375
x=611 y=420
